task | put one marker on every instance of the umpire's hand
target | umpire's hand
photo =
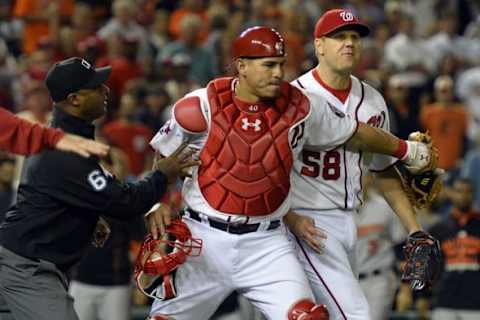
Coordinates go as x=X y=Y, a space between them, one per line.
x=158 y=219
x=177 y=164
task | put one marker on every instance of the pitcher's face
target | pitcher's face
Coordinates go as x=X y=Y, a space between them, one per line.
x=340 y=50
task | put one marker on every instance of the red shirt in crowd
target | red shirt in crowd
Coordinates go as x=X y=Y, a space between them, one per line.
x=132 y=139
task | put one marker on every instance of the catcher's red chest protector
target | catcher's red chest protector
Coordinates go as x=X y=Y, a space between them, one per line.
x=247 y=159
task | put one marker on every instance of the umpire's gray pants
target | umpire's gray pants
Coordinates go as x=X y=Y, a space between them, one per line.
x=33 y=289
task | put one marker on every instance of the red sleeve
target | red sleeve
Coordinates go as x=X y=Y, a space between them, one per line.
x=22 y=137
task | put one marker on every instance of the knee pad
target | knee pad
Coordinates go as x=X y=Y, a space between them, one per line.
x=307 y=310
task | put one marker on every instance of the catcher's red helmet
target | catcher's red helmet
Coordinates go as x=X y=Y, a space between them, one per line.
x=258 y=42
x=156 y=260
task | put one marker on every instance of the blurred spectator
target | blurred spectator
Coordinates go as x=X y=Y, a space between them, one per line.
x=153 y=113
x=39 y=16
x=468 y=89
x=8 y=76
x=446 y=121
x=10 y=29
x=123 y=23
x=379 y=231
x=294 y=27
x=189 y=8
x=455 y=295
x=203 y=69
x=218 y=22
x=93 y=49
x=83 y=26
x=158 y=36
x=38 y=108
x=175 y=74
x=7 y=192
x=130 y=137
x=405 y=51
x=125 y=67
x=471 y=170
x=402 y=111
x=370 y=13
x=447 y=41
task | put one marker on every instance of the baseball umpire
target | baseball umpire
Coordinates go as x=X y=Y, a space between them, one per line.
x=61 y=197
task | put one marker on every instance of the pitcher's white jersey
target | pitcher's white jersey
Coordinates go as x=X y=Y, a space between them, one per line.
x=332 y=179
x=378 y=230
x=322 y=127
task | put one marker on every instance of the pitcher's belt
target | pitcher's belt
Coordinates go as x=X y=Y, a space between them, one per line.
x=234 y=228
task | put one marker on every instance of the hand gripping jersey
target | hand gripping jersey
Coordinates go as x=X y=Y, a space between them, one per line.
x=332 y=179
x=247 y=150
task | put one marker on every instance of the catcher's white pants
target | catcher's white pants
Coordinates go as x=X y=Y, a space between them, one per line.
x=333 y=276
x=380 y=292
x=262 y=266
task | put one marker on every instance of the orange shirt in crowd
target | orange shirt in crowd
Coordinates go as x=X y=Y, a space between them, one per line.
x=447 y=127
x=34 y=30
x=176 y=18
x=132 y=139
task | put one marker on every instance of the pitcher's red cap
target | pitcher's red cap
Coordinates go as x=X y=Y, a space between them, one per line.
x=258 y=42
x=335 y=19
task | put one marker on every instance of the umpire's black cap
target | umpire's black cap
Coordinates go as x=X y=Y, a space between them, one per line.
x=73 y=74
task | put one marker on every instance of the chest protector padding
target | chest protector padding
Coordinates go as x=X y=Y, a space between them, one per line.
x=247 y=159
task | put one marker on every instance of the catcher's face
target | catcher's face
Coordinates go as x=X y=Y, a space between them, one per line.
x=260 y=78
x=340 y=51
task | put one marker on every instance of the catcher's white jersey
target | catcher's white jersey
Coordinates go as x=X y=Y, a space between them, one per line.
x=322 y=128
x=332 y=179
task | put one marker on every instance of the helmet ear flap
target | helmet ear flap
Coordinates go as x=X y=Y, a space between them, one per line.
x=158 y=259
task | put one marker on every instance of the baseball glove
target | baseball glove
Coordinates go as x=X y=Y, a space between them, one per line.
x=421 y=188
x=423 y=260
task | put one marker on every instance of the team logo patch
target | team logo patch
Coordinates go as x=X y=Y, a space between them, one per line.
x=347 y=16
x=246 y=125
x=337 y=112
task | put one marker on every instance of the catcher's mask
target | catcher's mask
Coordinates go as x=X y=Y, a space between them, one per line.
x=158 y=259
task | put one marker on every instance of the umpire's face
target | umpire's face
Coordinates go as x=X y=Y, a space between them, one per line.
x=92 y=102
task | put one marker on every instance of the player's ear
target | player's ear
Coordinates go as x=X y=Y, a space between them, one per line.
x=241 y=65
x=319 y=43
x=73 y=99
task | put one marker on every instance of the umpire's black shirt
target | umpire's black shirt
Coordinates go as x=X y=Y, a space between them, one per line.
x=60 y=197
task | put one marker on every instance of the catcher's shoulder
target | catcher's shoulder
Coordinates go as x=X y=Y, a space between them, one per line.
x=189 y=115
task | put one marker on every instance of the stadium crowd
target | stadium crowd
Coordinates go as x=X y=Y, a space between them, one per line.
x=424 y=56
